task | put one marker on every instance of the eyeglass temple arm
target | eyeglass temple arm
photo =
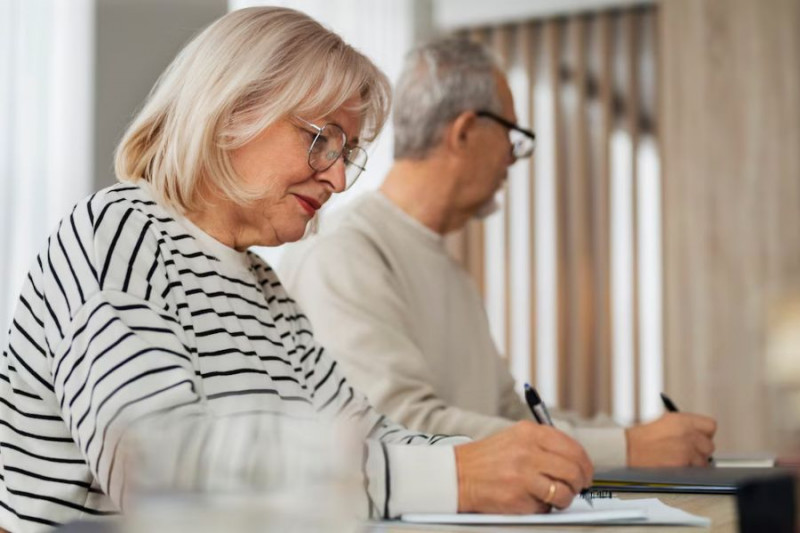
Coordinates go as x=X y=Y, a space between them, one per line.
x=507 y=123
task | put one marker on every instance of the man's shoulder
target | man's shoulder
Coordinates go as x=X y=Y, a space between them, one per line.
x=335 y=248
x=351 y=228
x=360 y=215
x=346 y=243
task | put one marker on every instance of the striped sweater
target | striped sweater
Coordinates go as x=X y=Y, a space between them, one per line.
x=133 y=315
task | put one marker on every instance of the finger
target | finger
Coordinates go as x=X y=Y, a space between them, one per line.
x=552 y=492
x=565 y=447
x=704 y=446
x=560 y=469
x=536 y=491
x=522 y=502
x=563 y=496
x=703 y=424
x=698 y=459
x=697 y=455
x=539 y=507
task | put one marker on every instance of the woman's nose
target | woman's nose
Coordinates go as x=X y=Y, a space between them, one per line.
x=335 y=175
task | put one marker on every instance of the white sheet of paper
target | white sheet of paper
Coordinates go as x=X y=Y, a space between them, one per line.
x=605 y=511
x=658 y=513
x=744 y=460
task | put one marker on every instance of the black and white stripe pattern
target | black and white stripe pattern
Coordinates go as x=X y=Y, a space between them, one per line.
x=127 y=317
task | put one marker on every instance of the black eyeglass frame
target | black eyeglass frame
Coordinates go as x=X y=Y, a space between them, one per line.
x=508 y=125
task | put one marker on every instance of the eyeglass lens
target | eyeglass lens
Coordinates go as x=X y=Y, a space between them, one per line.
x=355 y=160
x=521 y=145
x=328 y=146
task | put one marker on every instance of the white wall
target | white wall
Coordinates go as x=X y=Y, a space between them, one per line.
x=452 y=14
x=136 y=40
x=46 y=70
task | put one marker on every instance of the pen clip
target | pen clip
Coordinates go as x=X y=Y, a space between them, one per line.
x=537 y=406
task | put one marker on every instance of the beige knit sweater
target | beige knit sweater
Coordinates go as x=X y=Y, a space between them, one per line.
x=409 y=328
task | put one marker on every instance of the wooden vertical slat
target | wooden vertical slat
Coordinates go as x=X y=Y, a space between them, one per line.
x=601 y=199
x=583 y=181
x=653 y=130
x=632 y=114
x=685 y=272
x=500 y=42
x=552 y=40
x=474 y=230
x=731 y=92
x=527 y=44
x=579 y=284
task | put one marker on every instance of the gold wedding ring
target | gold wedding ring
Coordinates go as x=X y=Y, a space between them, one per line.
x=550 y=494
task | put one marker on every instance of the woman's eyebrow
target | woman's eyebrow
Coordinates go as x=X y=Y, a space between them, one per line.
x=350 y=142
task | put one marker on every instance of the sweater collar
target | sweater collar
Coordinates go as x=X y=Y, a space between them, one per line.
x=393 y=212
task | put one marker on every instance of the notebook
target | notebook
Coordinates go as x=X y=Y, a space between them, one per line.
x=612 y=511
x=701 y=480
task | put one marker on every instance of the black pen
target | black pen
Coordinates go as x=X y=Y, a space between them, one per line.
x=542 y=415
x=538 y=408
x=670 y=406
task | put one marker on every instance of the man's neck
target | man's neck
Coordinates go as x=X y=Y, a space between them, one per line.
x=425 y=190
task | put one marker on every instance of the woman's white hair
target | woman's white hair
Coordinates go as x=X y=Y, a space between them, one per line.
x=244 y=72
x=440 y=80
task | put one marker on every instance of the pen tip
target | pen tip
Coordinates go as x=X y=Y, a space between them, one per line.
x=531 y=394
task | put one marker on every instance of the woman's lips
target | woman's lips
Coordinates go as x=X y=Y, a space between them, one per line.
x=309 y=205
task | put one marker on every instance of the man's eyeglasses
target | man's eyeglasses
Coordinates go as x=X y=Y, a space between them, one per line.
x=330 y=142
x=523 y=141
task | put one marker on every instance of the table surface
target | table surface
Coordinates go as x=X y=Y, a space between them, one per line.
x=721 y=509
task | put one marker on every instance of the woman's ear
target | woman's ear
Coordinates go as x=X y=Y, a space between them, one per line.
x=457 y=136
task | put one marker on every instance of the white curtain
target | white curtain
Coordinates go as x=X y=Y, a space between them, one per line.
x=46 y=81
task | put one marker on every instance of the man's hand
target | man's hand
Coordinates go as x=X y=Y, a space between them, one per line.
x=675 y=439
x=513 y=471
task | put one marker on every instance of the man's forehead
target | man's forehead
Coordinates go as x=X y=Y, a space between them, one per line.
x=505 y=96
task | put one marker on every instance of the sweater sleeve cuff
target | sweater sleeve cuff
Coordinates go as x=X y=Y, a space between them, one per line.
x=606 y=447
x=423 y=479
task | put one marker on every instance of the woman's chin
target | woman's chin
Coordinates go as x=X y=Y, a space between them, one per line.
x=293 y=234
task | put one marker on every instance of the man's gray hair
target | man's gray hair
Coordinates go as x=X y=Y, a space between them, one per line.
x=440 y=80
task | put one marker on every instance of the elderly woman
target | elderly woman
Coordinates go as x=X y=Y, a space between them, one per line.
x=147 y=306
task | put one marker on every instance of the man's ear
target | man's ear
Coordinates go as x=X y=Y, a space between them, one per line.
x=457 y=136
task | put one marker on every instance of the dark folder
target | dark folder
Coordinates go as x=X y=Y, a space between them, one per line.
x=701 y=480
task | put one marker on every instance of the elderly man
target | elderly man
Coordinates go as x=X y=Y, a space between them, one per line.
x=404 y=319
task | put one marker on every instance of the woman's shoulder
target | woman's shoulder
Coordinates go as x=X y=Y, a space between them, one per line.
x=109 y=236
x=103 y=243
x=110 y=206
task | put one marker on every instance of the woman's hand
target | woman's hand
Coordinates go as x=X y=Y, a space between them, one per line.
x=525 y=469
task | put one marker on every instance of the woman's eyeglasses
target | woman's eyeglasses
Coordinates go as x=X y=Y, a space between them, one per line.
x=330 y=142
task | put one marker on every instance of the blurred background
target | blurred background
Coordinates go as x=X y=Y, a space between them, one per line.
x=652 y=243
